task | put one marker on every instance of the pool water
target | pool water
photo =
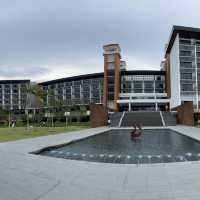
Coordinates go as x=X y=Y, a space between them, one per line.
x=117 y=146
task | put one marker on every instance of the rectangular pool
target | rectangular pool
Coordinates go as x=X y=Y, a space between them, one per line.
x=117 y=146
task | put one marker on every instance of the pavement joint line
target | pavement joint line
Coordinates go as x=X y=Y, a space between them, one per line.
x=48 y=191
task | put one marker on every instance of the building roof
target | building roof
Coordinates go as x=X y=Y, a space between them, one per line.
x=100 y=75
x=184 y=32
x=13 y=81
x=73 y=78
x=114 y=44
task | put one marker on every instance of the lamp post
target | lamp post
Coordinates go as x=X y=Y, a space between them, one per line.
x=66 y=115
x=27 y=118
x=9 y=119
x=88 y=113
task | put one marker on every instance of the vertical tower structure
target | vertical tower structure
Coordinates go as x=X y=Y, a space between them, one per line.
x=183 y=64
x=112 y=78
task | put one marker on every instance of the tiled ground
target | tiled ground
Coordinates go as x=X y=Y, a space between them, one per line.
x=24 y=176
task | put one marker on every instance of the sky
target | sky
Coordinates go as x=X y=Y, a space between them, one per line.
x=43 y=40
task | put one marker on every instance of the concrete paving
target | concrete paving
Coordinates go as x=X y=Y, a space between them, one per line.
x=26 y=176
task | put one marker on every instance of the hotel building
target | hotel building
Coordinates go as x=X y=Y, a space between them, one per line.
x=131 y=90
x=119 y=89
x=182 y=67
x=13 y=94
x=116 y=88
x=77 y=90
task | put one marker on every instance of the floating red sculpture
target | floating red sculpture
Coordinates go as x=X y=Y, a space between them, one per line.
x=136 y=133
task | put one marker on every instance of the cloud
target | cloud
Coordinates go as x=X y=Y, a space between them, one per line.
x=16 y=72
x=60 y=38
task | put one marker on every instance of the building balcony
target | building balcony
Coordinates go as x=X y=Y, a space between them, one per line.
x=187 y=70
x=187 y=59
x=132 y=95
x=185 y=47
x=198 y=48
x=187 y=53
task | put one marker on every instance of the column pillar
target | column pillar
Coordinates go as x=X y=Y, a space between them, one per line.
x=156 y=106
x=129 y=104
x=196 y=80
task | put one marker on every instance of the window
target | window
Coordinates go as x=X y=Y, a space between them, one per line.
x=15 y=91
x=7 y=91
x=186 y=64
x=110 y=96
x=111 y=49
x=148 y=84
x=111 y=66
x=186 y=76
x=184 y=41
x=138 y=77
x=137 y=84
x=148 y=77
x=138 y=90
x=111 y=58
x=185 y=53
x=187 y=87
x=198 y=54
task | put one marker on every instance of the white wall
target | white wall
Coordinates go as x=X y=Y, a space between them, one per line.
x=188 y=97
x=175 y=74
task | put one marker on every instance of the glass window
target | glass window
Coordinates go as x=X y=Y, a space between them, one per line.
x=184 y=41
x=111 y=66
x=186 y=76
x=187 y=87
x=185 y=53
x=186 y=64
x=138 y=84
x=111 y=58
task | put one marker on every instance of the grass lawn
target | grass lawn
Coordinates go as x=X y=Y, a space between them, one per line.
x=17 y=133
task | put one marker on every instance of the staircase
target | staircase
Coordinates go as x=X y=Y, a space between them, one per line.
x=145 y=118
x=169 y=118
x=115 y=119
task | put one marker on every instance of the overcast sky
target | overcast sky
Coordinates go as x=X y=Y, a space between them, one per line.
x=48 y=39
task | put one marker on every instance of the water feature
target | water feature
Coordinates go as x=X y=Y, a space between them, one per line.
x=117 y=146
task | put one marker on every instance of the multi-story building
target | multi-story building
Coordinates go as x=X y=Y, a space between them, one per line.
x=183 y=66
x=13 y=94
x=117 y=88
x=177 y=82
x=143 y=90
x=131 y=90
x=77 y=90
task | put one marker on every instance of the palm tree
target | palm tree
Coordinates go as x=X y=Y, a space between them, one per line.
x=34 y=99
x=51 y=104
x=55 y=104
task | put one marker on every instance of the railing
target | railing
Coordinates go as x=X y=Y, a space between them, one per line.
x=198 y=48
x=186 y=58
x=186 y=47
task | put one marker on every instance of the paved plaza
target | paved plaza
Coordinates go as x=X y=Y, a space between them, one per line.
x=26 y=176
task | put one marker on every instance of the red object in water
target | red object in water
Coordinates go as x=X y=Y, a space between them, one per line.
x=136 y=133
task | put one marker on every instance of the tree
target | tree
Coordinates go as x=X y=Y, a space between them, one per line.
x=5 y=117
x=51 y=104
x=56 y=106
x=83 y=111
x=34 y=99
